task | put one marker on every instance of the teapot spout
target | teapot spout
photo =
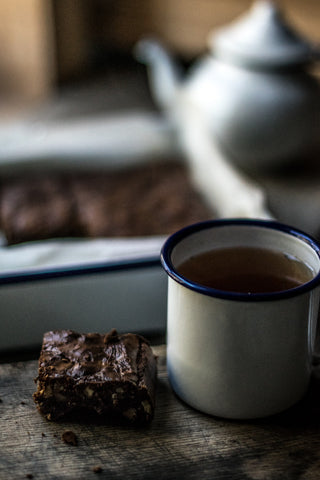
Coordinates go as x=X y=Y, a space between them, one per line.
x=164 y=74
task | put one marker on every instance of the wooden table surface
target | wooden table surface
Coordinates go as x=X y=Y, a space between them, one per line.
x=181 y=443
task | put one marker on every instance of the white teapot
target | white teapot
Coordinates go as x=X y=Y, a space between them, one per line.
x=252 y=92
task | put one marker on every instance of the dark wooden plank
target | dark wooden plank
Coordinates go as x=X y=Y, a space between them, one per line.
x=180 y=442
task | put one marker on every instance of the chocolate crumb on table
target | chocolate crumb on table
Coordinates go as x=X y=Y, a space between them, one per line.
x=111 y=375
x=97 y=469
x=70 y=437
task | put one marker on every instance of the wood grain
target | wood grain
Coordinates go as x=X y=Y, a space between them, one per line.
x=180 y=442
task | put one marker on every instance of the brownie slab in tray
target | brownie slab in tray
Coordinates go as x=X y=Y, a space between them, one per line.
x=156 y=198
x=110 y=375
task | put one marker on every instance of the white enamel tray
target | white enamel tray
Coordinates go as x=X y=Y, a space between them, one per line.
x=90 y=285
x=129 y=295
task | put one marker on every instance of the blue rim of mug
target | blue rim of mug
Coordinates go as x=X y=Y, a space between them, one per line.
x=176 y=237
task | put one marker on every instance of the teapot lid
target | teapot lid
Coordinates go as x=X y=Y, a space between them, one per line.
x=261 y=38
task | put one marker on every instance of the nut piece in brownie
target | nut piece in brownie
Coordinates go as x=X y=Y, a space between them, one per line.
x=112 y=374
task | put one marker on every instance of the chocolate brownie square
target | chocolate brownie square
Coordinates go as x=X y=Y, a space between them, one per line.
x=111 y=375
x=151 y=199
x=35 y=208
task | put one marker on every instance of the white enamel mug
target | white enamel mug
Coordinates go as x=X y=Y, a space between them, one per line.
x=240 y=355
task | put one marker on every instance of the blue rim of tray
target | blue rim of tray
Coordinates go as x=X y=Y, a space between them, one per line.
x=78 y=270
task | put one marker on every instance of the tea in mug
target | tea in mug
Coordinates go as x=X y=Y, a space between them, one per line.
x=246 y=270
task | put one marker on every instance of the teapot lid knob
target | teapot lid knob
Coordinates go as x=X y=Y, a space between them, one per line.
x=262 y=38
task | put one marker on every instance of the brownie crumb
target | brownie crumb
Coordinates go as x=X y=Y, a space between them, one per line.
x=97 y=469
x=70 y=438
